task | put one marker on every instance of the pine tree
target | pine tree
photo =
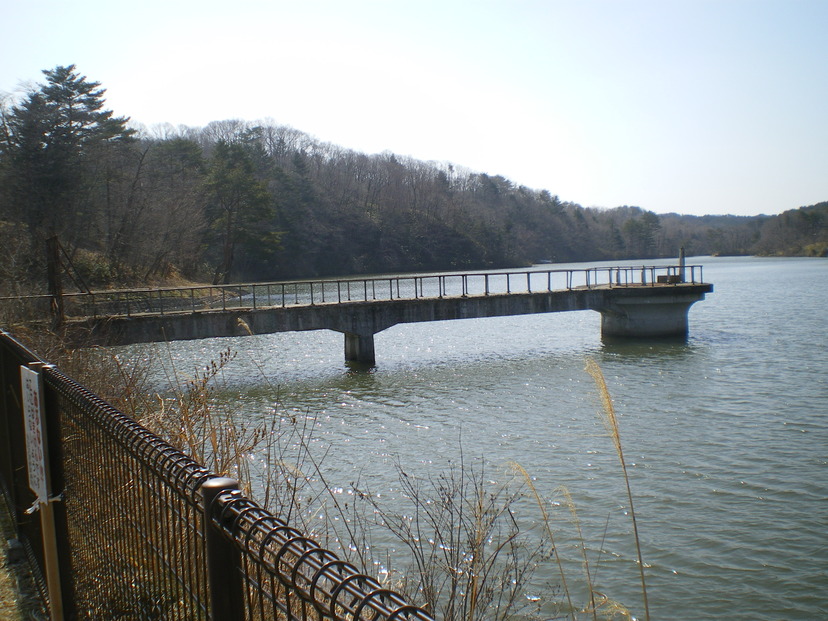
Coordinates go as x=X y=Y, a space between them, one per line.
x=46 y=146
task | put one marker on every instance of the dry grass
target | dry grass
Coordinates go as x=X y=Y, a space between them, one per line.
x=611 y=424
x=547 y=526
x=193 y=420
x=470 y=556
x=19 y=597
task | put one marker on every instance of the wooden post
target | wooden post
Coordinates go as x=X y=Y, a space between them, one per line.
x=55 y=287
x=37 y=455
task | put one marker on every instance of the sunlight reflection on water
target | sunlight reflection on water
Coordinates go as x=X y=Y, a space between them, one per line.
x=727 y=432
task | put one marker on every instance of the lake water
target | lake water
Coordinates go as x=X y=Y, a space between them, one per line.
x=725 y=435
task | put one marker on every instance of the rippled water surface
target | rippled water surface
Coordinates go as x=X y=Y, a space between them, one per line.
x=726 y=435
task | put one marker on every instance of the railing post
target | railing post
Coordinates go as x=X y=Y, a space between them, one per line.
x=223 y=559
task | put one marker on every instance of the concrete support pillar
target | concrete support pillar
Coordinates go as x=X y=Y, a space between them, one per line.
x=648 y=317
x=359 y=348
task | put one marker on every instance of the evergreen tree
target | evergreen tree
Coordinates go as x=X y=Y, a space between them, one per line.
x=46 y=146
x=239 y=205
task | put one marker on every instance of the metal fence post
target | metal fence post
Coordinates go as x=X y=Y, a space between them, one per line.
x=55 y=438
x=223 y=578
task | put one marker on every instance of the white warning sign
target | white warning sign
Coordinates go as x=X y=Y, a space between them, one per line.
x=33 y=420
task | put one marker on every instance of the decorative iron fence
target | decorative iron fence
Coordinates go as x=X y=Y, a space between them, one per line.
x=141 y=531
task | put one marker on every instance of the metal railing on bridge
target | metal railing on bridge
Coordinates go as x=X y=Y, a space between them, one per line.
x=128 y=302
x=141 y=531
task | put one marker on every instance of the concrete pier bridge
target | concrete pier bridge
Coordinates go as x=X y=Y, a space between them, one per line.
x=634 y=301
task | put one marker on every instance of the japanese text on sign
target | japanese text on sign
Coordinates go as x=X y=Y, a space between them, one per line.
x=33 y=420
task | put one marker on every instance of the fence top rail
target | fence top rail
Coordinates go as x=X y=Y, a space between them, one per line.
x=317 y=574
x=239 y=288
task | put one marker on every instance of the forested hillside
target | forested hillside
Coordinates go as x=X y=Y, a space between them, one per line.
x=238 y=200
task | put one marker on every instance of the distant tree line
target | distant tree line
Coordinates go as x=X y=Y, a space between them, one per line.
x=239 y=201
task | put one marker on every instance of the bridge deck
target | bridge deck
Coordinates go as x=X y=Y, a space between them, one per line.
x=633 y=301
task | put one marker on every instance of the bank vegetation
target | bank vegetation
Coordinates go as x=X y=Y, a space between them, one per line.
x=251 y=201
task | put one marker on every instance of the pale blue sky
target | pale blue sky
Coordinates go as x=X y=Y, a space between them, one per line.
x=693 y=106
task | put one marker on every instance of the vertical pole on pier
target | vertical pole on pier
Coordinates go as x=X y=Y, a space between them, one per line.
x=681 y=264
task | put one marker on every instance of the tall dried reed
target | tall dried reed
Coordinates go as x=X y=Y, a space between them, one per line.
x=611 y=424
